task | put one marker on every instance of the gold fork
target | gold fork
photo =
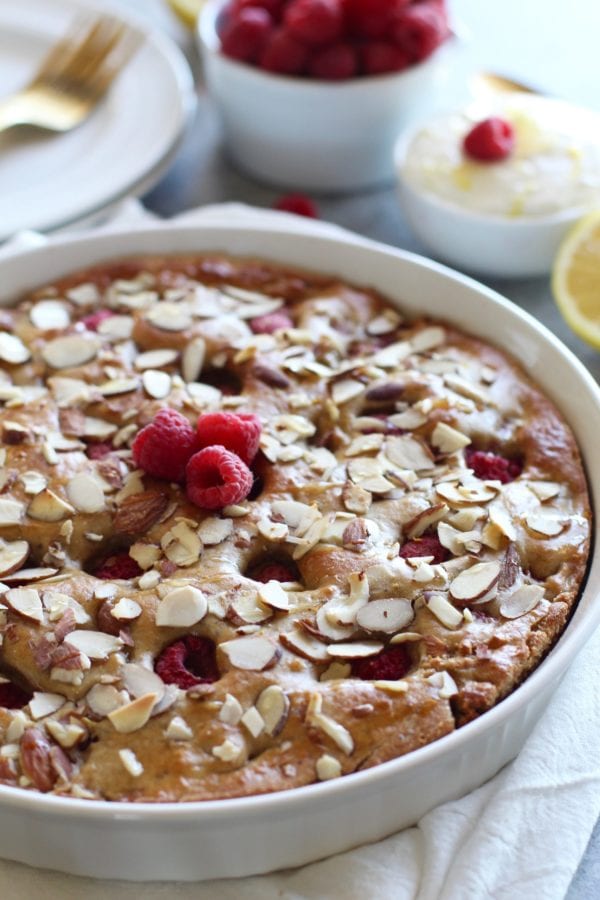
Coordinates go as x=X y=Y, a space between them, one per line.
x=74 y=76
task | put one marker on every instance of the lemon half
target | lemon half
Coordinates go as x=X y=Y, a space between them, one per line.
x=576 y=279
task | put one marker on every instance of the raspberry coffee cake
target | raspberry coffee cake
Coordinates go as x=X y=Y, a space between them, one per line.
x=258 y=530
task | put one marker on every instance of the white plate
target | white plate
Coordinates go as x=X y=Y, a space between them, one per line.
x=49 y=180
x=214 y=839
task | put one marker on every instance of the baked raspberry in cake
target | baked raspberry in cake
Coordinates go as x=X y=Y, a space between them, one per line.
x=258 y=530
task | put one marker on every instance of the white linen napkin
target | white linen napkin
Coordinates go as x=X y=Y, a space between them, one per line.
x=520 y=836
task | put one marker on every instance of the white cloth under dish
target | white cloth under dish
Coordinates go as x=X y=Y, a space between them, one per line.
x=520 y=836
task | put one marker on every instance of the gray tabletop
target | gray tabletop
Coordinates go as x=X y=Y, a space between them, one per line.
x=550 y=44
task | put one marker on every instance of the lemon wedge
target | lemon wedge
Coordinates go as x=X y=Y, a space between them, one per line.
x=576 y=279
x=187 y=10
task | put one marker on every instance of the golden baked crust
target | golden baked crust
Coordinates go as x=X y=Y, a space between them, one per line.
x=366 y=420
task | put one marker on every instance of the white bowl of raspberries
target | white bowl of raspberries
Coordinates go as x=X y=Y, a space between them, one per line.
x=313 y=93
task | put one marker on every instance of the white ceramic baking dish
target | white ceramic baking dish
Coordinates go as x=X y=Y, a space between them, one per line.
x=258 y=834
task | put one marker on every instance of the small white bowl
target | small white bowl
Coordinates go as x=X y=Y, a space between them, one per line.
x=320 y=135
x=484 y=243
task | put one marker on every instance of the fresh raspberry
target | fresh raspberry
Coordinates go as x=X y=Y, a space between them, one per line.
x=270 y=323
x=492 y=467
x=284 y=54
x=380 y=57
x=216 y=478
x=428 y=545
x=315 y=21
x=164 y=447
x=389 y=665
x=118 y=566
x=299 y=204
x=99 y=451
x=372 y=18
x=238 y=433
x=12 y=696
x=419 y=30
x=246 y=33
x=274 y=571
x=92 y=321
x=334 y=62
x=187 y=662
x=491 y=140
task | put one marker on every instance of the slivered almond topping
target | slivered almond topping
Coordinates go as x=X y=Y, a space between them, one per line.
x=355 y=649
x=251 y=653
x=85 y=493
x=424 y=520
x=116 y=386
x=146 y=556
x=148 y=580
x=156 y=384
x=12 y=556
x=334 y=730
x=305 y=645
x=328 y=767
x=70 y=351
x=178 y=730
x=231 y=711
x=12 y=349
x=466 y=388
x=461 y=496
x=385 y=616
x=409 y=419
x=356 y=499
x=66 y=734
x=214 y=531
x=272 y=531
x=274 y=596
x=33 y=482
x=155 y=359
x=365 y=443
x=345 y=390
x=392 y=355
x=126 y=610
x=428 y=338
x=444 y=612
x=182 y=607
x=46 y=507
x=248 y=610
x=44 y=704
x=392 y=687
x=273 y=705
x=384 y=323
x=445 y=684
x=447 y=439
x=131 y=763
x=95 y=644
x=476 y=581
x=523 y=600
x=25 y=601
x=408 y=453
x=169 y=317
x=11 y=511
x=134 y=715
x=546 y=523
x=181 y=545
x=102 y=699
x=139 y=681
x=57 y=603
x=328 y=624
x=253 y=722
x=228 y=751
x=192 y=361
x=544 y=490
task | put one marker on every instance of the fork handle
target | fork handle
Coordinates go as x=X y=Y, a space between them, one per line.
x=11 y=113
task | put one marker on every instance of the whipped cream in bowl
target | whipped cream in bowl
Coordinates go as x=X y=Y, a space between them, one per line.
x=504 y=217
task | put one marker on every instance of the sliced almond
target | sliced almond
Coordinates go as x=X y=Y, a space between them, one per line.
x=328 y=624
x=131 y=763
x=345 y=390
x=192 y=361
x=156 y=384
x=102 y=699
x=476 y=581
x=445 y=684
x=116 y=386
x=12 y=349
x=546 y=523
x=356 y=499
x=478 y=492
x=213 y=531
x=66 y=734
x=447 y=439
x=33 y=482
x=126 y=610
x=134 y=715
x=181 y=608
x=424 y=520
x=44 y=704
x=392 y=355
x=253 y=721
x=155 y=359
x=457 y=496
x=25 y=601
x=94 y=644
x=248 y=610
x=523 y=600
x=305 y=645
x=466 y=388
x=409 y=419
x=57 y=603
x=334 y=730
x=37 y=573
x=408 y=453
x=444 y=612
x=251 y=653
x=11 y=511
x=231 y=711
x=427 y=338
x=355 y=649
x=140 y=681
x=273 y=705
x=48 y=507
x=274 y=596
x=384 y=323
x=12 y=556
x=385 y=616
x=169 y=317
x=181 y=545
x=70 y=351
x=85 y=493
x=544 y=490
